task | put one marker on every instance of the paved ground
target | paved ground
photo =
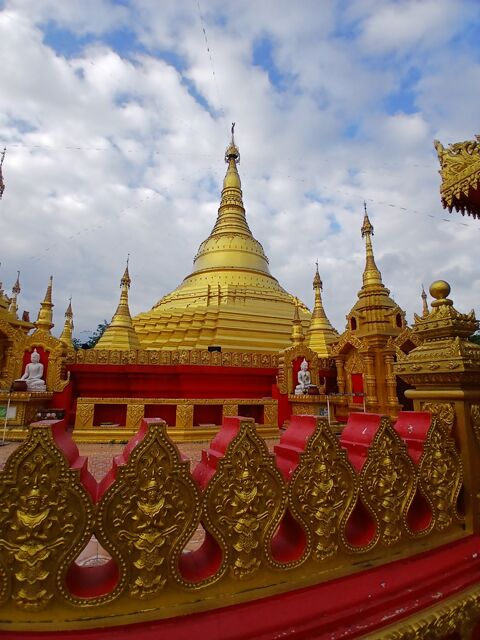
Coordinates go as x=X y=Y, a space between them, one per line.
x=99 y=462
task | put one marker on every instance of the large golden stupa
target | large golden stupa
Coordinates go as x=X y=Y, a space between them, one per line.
x=230 y=298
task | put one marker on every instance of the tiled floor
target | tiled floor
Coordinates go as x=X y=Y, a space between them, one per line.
x=99 y=462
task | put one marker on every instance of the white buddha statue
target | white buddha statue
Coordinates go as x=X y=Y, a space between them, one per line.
x=304 y=379
x=33 y=374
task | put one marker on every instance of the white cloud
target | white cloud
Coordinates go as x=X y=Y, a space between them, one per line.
x=110 y=153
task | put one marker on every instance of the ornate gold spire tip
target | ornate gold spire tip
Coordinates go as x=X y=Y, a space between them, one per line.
x=367 y=227
x=232 y=152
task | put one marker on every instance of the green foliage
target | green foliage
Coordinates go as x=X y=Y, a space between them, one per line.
x=93 y=339
x=475 y=338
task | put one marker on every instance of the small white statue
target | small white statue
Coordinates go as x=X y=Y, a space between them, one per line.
x=304 y=379
x=33 y=374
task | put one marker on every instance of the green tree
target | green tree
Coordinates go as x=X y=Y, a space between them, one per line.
x=91 y=341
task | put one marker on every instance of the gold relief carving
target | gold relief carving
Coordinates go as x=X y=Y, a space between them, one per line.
x=244 y=502
x=323 y=492
x=270 y=414
x=475 y=419
x=85 y=414
x=388 y=483
x=46 y=518
x=226 y=359
x=149 y=514
x=134 y=415
x=354 y=363
x=184 y=416
x=183 y=357
x=175 y=357
x=216 y=358
x=230 y=410
x=444 y=411
x=440 y=474
x=304 y=409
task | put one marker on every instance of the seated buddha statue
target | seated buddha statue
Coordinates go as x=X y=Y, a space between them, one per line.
x=304 y=379
x=33 y=374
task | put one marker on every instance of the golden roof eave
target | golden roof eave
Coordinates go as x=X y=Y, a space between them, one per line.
x=460 y=173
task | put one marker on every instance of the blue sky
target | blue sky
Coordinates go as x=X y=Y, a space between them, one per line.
x=115 y=116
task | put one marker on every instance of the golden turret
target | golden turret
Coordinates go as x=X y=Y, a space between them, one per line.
x=120 y=333
x=297 y=336
x=374 y=312
x=320 y=334
x=13 y=306
x=230 y=298
x=45 y=315
x=67 y=334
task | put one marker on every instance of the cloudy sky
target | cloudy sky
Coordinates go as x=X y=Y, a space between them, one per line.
x=116 y=115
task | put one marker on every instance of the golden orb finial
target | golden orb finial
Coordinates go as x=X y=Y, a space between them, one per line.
x=439 y=289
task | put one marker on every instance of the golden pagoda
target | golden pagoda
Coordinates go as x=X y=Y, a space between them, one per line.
x=365 y=352
x=230 y=299
x=120 y=333
x=320 y=334
x=460 y=172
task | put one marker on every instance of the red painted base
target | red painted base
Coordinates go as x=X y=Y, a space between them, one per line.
x=345 y=608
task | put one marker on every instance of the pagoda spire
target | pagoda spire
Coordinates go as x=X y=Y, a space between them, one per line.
x=13 y=307
x=320 y=333
x=425 y=310
x=297 y=336
x=120 y=333
x=67 y=333
x=45 y=315
x=371 y=274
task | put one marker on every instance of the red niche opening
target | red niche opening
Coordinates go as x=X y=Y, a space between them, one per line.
x=92 y=582
x=207 y=414
x=360 y=529
x=110 y=415
x=289 y=541
x=167 y=412
x=419 y=516
x=254 y=411
x=202 y=563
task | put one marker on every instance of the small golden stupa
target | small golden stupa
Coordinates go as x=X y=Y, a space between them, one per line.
x=230 y=298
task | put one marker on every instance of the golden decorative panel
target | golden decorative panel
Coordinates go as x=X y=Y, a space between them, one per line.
x=460 y=171
x=153 y=507
x=201 y=357
x=46 y=518
x=323 y=492
x=244 y=502
x=134 y=415
x=444 y=411
x=149 y=513
x=388 y=483
x=441 y=473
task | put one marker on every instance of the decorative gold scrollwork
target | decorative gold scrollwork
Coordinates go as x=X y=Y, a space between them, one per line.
x=323 y=492
x=244 y=502
x=46 y=518
x=475 y=420
x=388 y=483
x=150 y=512
x=441 y=474
x=444 y=411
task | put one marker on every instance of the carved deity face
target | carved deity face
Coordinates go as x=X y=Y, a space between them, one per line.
x=304 y=365
x=35 y=358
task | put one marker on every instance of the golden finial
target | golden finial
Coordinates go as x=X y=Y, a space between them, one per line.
x=232 y=154
x=16 y=286
x=371 y=274
x=424 y=303
x=45 y=315
x=2 y=183
x=317 y=282
x=67 y=333
x=297 y=330
x=126 y=281
x=440 y=290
